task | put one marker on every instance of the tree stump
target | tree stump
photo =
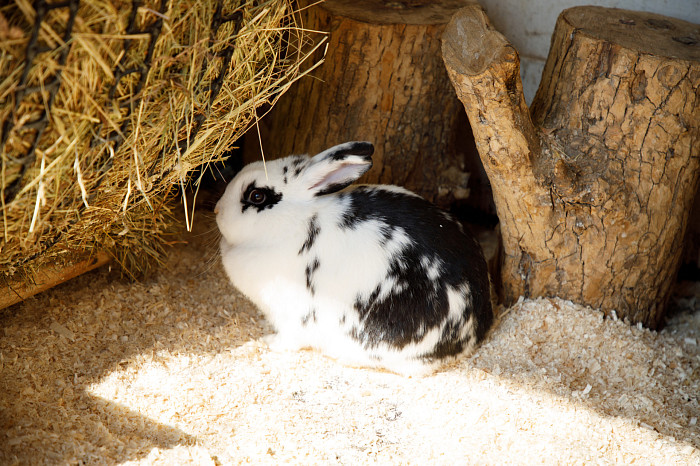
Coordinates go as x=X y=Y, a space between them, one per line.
x=593 y=188
x=383 y=80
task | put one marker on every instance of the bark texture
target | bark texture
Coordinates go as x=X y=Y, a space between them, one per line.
x=49 y=276
x=594 y=185
x=384 y=81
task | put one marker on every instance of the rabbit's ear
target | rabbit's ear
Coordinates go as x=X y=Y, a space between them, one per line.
x=337 y=167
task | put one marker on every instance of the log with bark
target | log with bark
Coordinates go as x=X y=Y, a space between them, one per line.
x=72 y=265
x=594 y=184
x=383 y=80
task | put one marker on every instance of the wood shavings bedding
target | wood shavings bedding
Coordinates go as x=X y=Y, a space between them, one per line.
x=172 y=370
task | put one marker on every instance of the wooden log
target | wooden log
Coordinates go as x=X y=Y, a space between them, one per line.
x=47 y=277
x=383 y=80
x=593 y=187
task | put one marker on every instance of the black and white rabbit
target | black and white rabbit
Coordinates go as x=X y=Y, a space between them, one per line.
x=372 y=275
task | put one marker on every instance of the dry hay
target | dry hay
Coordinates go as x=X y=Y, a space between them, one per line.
x=172 y=370
x=123 y=103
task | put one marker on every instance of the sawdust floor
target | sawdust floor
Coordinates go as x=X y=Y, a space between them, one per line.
x=171 y=370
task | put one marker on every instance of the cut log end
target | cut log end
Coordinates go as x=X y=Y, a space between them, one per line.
x=420 y=12
x=644 y=32
x=471 y=44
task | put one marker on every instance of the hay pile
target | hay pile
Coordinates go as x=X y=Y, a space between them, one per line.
x=172 y=370
x=106 y=106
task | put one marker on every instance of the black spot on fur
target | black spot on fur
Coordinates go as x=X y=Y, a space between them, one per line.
x=417 y=304
x=310 y=269
x=364 y=305
x=354 y=148
x=299 y=163
x=355 y=334
x=333 y=187
x=311 y=315
x=450 y=342
x=270 y=197
x=387 y=234
x=311 y=235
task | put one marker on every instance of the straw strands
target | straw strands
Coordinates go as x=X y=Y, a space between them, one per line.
x=106 y=106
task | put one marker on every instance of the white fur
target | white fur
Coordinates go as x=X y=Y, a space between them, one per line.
x=261 y=255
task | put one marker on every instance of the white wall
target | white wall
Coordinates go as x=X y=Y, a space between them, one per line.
x=529 y=24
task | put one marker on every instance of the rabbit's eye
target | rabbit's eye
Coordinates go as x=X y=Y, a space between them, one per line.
x=260 y=198
x=256 y=196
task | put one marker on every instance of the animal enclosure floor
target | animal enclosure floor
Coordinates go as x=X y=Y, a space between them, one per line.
x=172 y=370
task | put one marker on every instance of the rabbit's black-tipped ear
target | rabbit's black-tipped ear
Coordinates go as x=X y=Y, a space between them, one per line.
x=337 y=167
